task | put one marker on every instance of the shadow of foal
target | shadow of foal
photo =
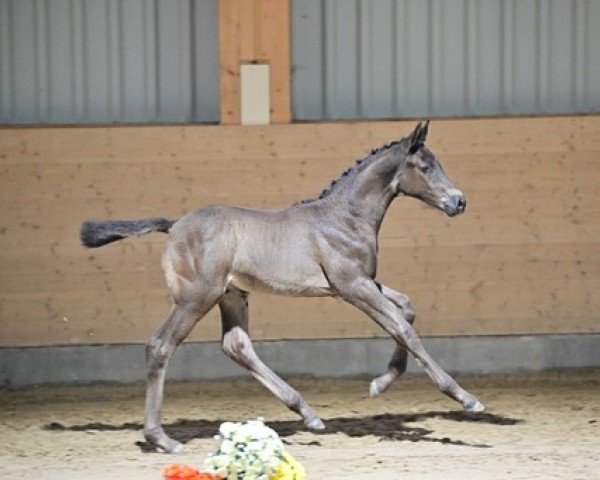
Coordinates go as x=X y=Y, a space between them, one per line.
x=386 y=426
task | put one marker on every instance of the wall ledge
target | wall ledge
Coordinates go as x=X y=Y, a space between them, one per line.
x=469 y=355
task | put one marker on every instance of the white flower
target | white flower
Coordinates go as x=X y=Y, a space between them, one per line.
x=227 y=428
x=227 y=446
x=250 y=450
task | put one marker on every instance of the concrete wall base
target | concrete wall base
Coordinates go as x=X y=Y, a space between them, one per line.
x=79 y=365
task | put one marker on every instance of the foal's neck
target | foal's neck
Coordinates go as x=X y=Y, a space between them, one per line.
x=369 y=193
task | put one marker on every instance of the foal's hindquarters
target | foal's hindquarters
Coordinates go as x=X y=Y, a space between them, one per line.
x=207 y=260
x=196 y=285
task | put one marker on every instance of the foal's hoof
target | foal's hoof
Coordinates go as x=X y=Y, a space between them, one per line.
x=168 y=445
x=374 y=389
x=173 y=447
x=315 y=424
x=474 y=406
x=381 y=383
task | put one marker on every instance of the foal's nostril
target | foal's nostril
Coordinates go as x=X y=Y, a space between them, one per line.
x=455 y=204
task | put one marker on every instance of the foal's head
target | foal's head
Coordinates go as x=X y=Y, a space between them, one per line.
x=421 y=175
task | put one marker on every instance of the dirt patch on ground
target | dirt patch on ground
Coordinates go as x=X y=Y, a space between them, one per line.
x=536 y=426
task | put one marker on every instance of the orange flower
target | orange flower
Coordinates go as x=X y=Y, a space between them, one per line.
x=185 y=472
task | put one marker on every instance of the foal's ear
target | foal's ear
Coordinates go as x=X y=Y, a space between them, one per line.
x=423 y=132
x=414 y=136
x=415 y=139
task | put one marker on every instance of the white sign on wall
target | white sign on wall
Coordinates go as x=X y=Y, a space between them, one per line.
x=255 y=99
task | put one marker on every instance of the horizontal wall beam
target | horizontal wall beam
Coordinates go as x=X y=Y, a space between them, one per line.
x=78 y=365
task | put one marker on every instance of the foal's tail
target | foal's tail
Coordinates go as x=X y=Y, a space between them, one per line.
x=95 y=233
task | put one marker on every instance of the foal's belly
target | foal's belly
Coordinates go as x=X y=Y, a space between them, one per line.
x=277 y=259
x=309 y=286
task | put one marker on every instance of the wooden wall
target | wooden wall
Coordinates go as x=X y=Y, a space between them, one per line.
x=525 y=258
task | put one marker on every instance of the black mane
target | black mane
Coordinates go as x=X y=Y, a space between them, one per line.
x=327 y=191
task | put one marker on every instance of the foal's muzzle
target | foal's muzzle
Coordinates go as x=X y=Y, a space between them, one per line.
x=455 y=203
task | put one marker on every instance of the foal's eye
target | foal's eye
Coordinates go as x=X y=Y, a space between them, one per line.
x=425 y=168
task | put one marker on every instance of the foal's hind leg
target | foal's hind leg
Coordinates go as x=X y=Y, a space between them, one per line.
x=237 y=345
x=399 y=360
x=159 y=350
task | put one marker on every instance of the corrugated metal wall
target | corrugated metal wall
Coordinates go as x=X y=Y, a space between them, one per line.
x=102 y=61
x=415 y=58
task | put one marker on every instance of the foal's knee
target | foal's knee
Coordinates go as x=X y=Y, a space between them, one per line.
x=235 y=345
x=157 y=354
x=409 y=313
x=407 y=309
x=405 y=306
x=402 y=302
x=152 y=348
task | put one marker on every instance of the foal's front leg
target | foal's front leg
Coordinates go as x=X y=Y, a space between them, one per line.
x=237 y=345
x=363 y=293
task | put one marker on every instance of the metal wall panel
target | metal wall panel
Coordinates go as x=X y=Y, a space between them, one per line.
x=105 y=61
x=415 y=58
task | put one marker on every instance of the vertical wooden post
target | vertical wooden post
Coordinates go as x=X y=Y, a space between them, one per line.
x=255 y=31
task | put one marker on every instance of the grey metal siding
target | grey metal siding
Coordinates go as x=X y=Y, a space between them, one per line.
x=415 y=58
x=104 y=61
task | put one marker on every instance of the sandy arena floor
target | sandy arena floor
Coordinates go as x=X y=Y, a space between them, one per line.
x=536 y=426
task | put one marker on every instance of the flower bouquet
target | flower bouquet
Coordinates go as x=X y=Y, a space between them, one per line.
x=248 y=451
